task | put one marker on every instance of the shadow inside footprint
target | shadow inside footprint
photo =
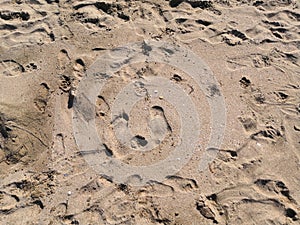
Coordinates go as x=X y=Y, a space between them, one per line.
x=138 y=141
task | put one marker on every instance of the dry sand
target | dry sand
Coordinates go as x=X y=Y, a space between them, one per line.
x=251 y=47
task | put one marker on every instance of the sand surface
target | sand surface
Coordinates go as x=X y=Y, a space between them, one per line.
x=209 y=91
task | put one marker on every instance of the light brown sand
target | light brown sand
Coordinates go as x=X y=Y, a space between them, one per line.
x=251 y=47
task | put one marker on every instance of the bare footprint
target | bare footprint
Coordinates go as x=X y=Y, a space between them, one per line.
x=8 y=202
x=41 y=101
x=11 y=68
x=158 y=129
x=182 y=184
x=157 y=189
x=63 y=59
x=159 y=126
x=79 y=68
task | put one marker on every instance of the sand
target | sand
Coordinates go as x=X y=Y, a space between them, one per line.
x=149 y=112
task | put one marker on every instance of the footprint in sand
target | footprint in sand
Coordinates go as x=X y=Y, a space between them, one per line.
x=159 y=126
x=158 y=129
x=11 y=68
x=63 y=59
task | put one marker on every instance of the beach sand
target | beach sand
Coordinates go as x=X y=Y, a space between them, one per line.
x=249 y=48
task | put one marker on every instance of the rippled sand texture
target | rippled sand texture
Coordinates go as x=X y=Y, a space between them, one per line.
x=252 y=48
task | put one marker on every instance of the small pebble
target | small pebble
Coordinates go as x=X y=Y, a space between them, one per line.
x=69 y=193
